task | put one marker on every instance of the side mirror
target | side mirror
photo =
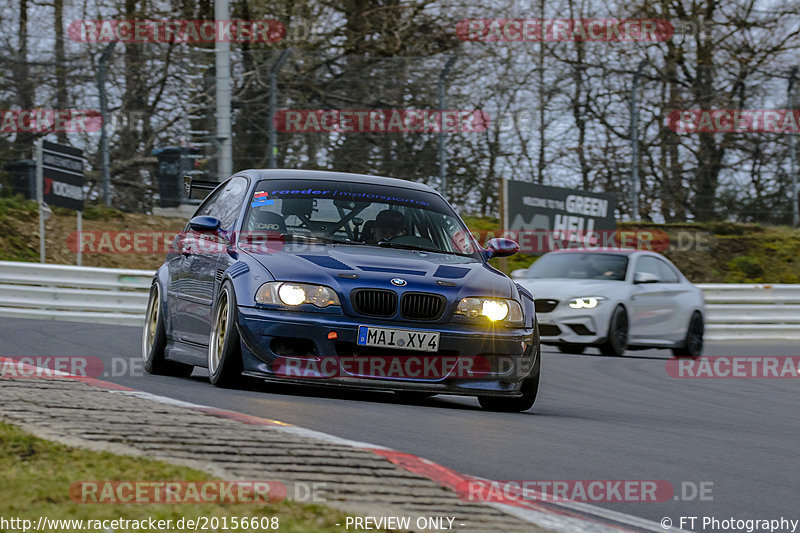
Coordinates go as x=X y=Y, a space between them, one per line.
x=204 y=224
x=645 y=277
x=501 y=248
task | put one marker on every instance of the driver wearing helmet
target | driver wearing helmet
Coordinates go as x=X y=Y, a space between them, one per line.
x=389 y=224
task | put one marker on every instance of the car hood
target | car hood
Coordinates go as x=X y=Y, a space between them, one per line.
x=561 y=288
x=346 y=267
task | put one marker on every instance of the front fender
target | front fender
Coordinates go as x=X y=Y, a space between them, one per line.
x=162 y=278
x=246 y=275
x=528 y=305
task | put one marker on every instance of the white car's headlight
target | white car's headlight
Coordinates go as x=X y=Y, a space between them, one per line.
x=495 y=309
x=587 y=302
x=294 y=294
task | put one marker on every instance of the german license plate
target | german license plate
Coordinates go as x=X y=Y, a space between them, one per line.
x=406 y=339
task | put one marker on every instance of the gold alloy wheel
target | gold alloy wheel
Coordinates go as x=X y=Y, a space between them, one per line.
x=218 y=334
x=151 y=322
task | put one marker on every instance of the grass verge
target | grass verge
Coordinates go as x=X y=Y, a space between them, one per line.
x=37 y=474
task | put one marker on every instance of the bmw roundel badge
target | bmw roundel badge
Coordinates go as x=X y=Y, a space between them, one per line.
x=399 y=282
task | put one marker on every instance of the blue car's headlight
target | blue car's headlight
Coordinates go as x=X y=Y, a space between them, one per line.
x=587 y=302
x=495 y=309
x=294 y=294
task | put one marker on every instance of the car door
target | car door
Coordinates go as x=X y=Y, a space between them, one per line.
x=202 y=256
x=174 y=262
x=180 y=268
x=675 y=291
x=652 y=307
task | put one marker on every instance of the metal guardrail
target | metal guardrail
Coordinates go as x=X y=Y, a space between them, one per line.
x=117 y=296
x=752 y=311
x=80 y=294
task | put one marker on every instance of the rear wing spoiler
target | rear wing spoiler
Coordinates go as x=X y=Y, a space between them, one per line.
x=190 y=184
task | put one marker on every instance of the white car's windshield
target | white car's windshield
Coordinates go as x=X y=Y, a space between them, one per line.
x=578 y=265
x=358 y=214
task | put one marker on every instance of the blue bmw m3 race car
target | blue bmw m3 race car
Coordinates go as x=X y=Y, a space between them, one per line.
x=346 y=280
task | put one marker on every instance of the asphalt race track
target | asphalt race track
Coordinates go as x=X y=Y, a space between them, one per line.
x=596 y=418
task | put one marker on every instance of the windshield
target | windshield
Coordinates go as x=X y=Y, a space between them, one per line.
x=578 y=265
x=357 y=214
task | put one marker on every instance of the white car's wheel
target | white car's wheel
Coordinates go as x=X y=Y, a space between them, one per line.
x=693 y=343
x=617 y=340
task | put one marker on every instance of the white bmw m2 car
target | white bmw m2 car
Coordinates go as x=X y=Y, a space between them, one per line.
x=614 y=299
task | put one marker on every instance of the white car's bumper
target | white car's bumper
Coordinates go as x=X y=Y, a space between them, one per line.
x=564 y=325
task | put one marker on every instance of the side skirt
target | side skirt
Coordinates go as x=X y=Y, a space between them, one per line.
x=183 y=352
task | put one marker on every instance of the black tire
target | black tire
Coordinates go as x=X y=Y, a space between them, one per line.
x=154 y=341
x=576 y=349
x=530 y=388
x=693 y=342
x=224 y=346
x=617 y=340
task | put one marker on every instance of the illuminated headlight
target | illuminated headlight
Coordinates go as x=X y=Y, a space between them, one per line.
x=495 y=309
x=294 y=294
x=589 y=302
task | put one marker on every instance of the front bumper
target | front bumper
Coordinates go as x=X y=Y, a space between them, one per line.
x=575 y=326
x=296 y=347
